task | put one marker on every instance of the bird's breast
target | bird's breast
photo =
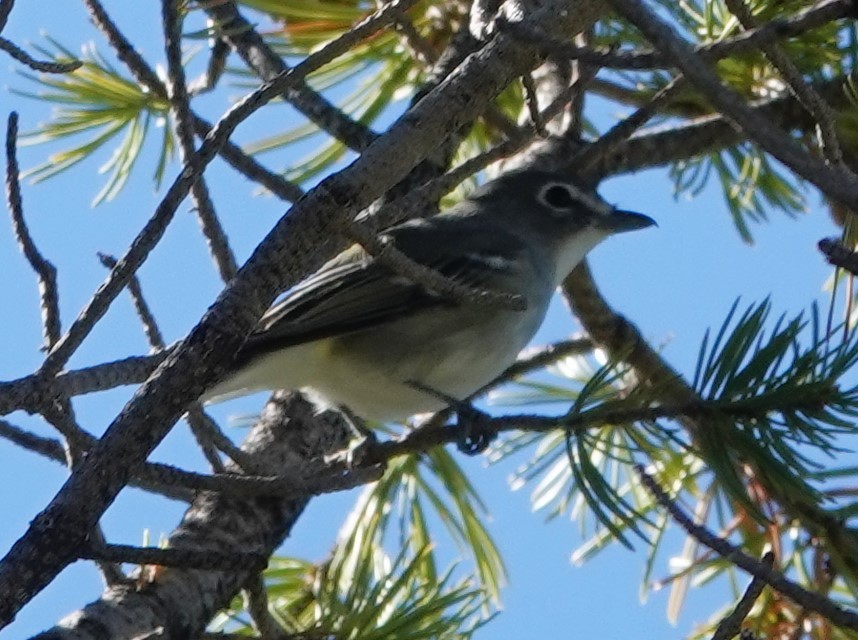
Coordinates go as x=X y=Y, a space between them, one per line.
x=453 y=352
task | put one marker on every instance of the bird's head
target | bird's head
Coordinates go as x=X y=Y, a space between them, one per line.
x=553 y=209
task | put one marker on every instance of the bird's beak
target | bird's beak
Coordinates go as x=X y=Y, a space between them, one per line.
x=619 y=221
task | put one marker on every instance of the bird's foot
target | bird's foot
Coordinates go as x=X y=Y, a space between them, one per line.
x=475 y=427
x=475 y=430
x=362 y=443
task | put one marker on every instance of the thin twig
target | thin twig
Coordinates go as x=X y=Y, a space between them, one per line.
x=526 y=363
x=594 y=154
x=61 y=415
x=801 y=596
x=803 y=92
x=147 y=318
x=110 y=571
x=46 y=272
x=176 y=484
x=712 y=133
x=206 y=432
x=574 y=127
x=214 y=69
x=731 y=625
x=419 y=45
x=177 y=94
x=540 y=358
x=155 y=477
x=207 y=446
x=32 y=391
x=219 y=439
x=44 y=66
x=416 y=201
x=249 y=167
x=431 y=433
x=47 y=447
x=532 y=103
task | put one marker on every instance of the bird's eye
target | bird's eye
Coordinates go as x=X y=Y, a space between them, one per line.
x=558 y=196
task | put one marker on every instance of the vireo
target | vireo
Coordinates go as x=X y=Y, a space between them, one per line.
x=361 y=335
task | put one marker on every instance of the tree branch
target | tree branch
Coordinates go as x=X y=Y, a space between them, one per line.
x=202 y=559
x=801 y=596
x=191 y=171
x=147 y=318
x=37 y=65
x=839 y=255
x=177 y=95
x=5 y=9
x=660 y=146
x=731 y=625
x=837 y=183
x=45 y=271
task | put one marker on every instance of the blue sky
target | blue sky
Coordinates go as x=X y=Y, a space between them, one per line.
x=674 y=281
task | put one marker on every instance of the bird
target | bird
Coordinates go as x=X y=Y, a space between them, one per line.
x=362 y=336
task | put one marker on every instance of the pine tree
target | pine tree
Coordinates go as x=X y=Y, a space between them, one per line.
x=739 y=464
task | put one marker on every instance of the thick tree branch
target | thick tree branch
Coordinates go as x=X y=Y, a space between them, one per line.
x=839 y=255
x=181 y=602
x=5 y=9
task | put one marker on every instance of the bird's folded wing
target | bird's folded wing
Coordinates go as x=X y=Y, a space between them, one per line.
x=353 y=292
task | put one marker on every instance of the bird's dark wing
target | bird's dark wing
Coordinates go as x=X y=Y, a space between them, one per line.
x=353 y=292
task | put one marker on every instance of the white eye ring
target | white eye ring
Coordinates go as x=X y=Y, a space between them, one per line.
x=559 y=196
